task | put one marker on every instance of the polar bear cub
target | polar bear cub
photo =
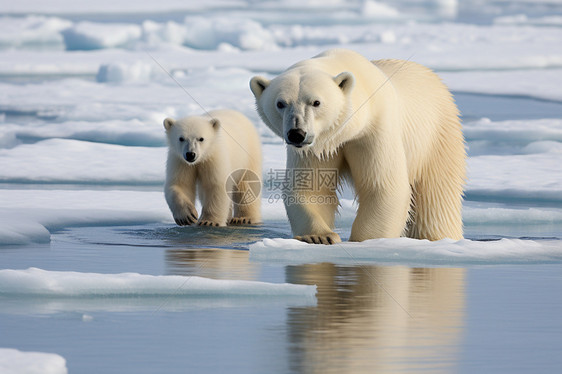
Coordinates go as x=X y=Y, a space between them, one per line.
x=389 y=127
x=218 y=158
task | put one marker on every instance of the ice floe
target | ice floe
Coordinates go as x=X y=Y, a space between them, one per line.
x=42 y=283
x=13 y=361
x=88 y=35
x=72 y=161
x=407 y=251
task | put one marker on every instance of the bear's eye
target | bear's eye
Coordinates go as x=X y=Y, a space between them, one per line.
x=201 y=139
x=280 y=105
x=181 y=139
x=316 y=103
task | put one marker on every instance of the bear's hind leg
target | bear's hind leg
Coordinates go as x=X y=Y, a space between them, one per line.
x=216 y=205
x=437 y=212
x=247 y=214
x=247 y=200
x=437 y=198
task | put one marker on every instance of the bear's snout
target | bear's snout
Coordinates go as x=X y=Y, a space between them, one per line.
x=190 y=156
x=296 y=137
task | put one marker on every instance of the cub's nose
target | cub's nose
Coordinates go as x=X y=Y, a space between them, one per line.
x=190 y=156
x=296 y=136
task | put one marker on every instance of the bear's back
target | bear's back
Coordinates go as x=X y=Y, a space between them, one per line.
x=239 y=138
x=336 y=61
x=428 y=111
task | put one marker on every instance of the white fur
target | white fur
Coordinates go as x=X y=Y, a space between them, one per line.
x=224 y=142
x=392 y=130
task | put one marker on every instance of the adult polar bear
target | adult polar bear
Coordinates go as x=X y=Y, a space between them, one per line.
x=390 y=127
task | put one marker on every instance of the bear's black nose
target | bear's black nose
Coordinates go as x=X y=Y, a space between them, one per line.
x=296 y=136
x=190 y=156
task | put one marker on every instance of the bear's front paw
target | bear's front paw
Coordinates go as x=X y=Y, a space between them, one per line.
x=330 y=238
x=186 y=216
x=240 y=221
x=206 y=222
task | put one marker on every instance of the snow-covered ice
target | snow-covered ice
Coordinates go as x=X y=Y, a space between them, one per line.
x=30 y=215
x=13 y=361
x=408 y=251
x=42 y=283
x=537 y=84
x=88 y=35
x=83 y=162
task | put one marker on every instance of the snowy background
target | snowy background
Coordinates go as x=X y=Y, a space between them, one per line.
x=84 y=87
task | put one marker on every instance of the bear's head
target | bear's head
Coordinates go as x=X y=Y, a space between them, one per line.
x=304 y=106
x=191 y=138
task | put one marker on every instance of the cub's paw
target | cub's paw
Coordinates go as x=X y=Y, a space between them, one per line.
x=240 y=221
x=206 y=222
x=187 y=216
x=329 y=238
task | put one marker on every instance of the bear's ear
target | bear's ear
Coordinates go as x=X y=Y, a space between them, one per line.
x=258 y=85
x=216 y=123
x=168 y=123
x=345 y=81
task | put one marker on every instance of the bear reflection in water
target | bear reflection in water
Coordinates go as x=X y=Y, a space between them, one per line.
x=372 y=319
x=367 y=319
x=211 y=263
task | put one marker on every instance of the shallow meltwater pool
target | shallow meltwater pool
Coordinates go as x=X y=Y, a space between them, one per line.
x=367 y=315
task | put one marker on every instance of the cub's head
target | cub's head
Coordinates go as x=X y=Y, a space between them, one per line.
x=191 y=138
x=304 y=106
